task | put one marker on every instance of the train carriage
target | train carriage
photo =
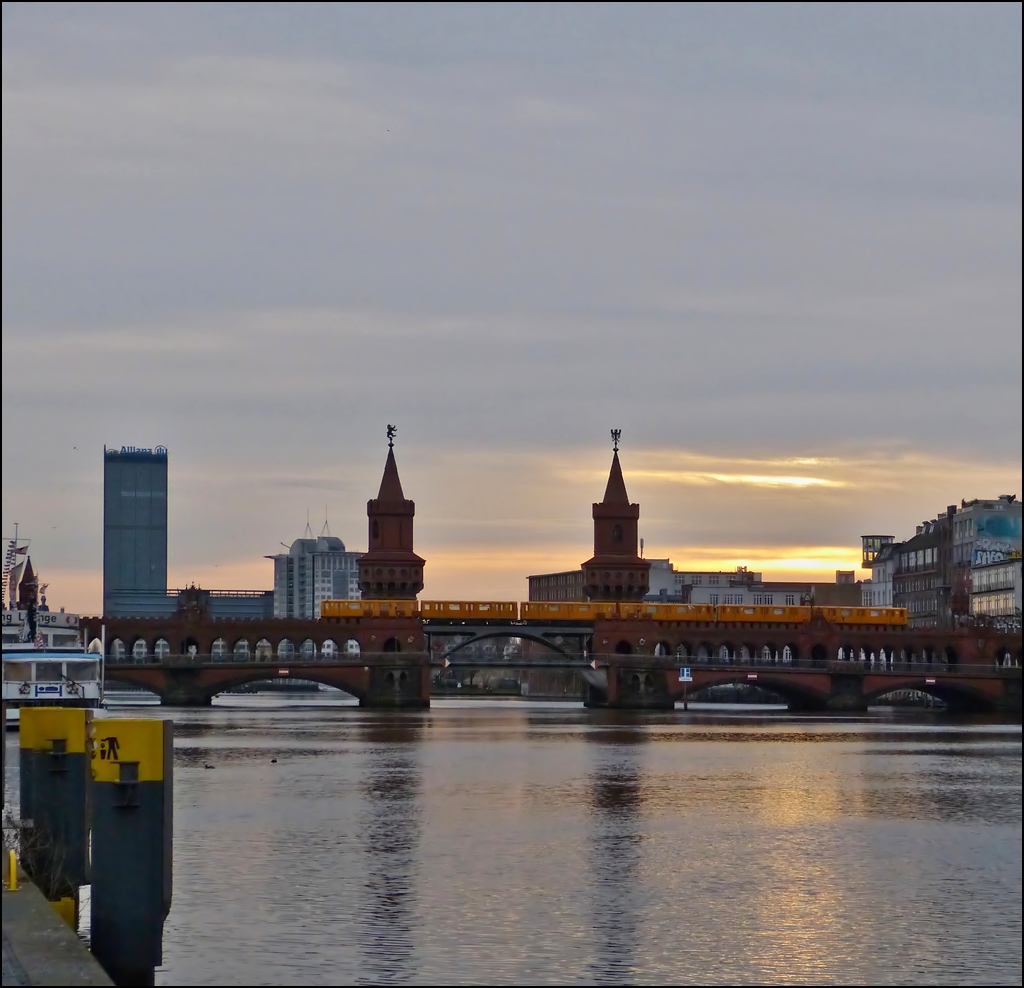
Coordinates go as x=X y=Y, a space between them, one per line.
x=566 y=610
x=762 y=614
x=369 y=608
x=471 y=610
x=864 y=615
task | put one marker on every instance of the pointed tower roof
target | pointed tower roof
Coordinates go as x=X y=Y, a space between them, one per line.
x=616 y=571
x=390 y=569
x=615 y=491
x=390 y=484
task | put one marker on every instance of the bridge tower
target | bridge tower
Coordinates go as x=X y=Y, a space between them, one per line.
x=389 y=569
x=616 y=571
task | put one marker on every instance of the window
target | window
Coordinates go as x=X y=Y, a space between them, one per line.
x=714 y=598
x=713 y=581
x=790 y=599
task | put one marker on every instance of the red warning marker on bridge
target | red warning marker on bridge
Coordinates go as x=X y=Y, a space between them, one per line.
x=593 y=663
x=445 y=664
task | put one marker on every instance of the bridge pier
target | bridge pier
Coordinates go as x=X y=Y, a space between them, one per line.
x=404 y=686
x=183 y=688
x=629 y=689
x=846 y=694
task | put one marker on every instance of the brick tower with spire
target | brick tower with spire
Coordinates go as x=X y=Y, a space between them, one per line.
x=389 y=569
x=616 y=571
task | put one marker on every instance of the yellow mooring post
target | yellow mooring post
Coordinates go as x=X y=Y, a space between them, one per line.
x=55 y=785
x=132 y=762
x=12 y=874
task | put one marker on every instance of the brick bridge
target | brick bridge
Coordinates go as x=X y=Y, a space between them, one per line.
x=190 y=658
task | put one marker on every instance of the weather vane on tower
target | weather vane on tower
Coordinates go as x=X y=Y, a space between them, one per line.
x=616 y=436
x=392 y=432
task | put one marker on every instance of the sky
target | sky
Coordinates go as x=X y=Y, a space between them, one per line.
x=777 y=245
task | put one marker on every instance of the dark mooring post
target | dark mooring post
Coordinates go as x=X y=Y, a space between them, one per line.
x=55 y=784
x=131 y=846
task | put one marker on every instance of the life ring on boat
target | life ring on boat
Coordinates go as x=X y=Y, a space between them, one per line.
x=25 y=688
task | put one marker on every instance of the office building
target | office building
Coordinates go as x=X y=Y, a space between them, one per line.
x=311 y=571
x=134 y=523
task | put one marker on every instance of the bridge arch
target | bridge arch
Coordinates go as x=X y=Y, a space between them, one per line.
x=955 y=693
x=799 y=695
x=513 y=632
x=231 y=678
x=1005 y=656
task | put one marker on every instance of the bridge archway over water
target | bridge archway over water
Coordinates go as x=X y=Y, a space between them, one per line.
x=227 y=678
x=962 y=696
x=797 y=694
x=550 y=643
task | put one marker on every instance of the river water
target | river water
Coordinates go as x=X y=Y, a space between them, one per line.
x=512 y=842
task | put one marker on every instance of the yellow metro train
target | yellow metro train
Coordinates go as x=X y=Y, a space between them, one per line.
x=533 y=610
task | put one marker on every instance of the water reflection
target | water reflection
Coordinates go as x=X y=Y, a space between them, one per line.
x=389 y=832
x=506 y=843
x=616 y=848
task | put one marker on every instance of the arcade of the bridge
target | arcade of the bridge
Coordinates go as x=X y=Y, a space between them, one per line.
x=777 y=645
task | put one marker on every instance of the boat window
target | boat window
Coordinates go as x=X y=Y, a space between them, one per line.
x=83 y=670
x=17 y=672
x=49 y=672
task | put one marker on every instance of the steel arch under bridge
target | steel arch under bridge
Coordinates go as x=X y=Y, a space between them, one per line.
x=558 y=637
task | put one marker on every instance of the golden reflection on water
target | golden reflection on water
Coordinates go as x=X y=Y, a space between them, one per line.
x=517 y=844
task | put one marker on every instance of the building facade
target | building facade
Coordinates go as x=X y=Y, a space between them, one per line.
x=226 y=604
x=567 y=585
x=134 y=523
x=996 y=592
x=877 y=592
x=919 y=582
x=931 y=574
x=311 y=571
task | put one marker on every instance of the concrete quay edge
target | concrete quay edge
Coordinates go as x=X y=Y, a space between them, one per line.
x=39 y=948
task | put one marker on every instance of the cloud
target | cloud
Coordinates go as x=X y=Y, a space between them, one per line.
x=781 y=253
